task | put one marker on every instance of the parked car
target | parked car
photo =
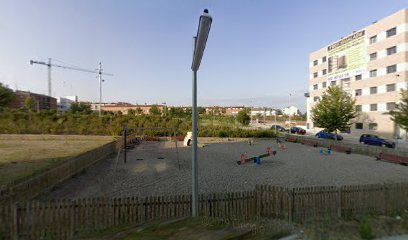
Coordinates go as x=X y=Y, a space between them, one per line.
x=297 y=130
x=371 y=139
x=279 y=128
x=328 y=135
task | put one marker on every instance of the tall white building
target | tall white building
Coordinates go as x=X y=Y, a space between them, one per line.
x=64 y=103
x=291 y=111
x=371 y=64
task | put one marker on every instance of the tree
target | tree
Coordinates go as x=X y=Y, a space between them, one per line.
x=400 y=114
x=6 y=95
x=243 y=118
x=201 y=110
x=177 y=112
x=139 y=111
x=29 y=104
x=79 y=108
x=334 y=111
x=131 y=112
x=154 y=110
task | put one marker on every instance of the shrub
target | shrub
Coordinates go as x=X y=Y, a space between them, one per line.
x=366 y=231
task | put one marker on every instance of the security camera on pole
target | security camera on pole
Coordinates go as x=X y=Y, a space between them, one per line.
x=199 y=43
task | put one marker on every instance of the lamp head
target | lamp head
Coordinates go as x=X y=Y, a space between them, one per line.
x=201 y=39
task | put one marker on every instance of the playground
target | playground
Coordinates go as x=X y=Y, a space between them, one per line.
x=159 y=168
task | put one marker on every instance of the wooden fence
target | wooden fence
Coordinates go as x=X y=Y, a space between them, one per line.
x=30 y=188
x=66 y=219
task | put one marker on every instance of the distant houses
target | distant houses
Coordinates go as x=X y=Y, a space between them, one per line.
x=63 y=104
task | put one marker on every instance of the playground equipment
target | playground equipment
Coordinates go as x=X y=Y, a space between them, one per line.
x=187 y=139
x=256 y=159
x=135 y=135
x=324 y=151
x=280 y=143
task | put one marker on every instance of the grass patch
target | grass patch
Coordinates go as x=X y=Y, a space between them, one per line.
x=22 y=156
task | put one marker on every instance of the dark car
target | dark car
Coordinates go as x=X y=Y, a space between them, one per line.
x=328 y=135
x=376 y=140
x=297 y=130
x=279 y=128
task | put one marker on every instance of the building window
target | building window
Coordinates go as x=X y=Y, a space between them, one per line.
x=373 y=90
x=392 y=69
x=359 y=108
x=324 y=84
x=341 y=62
x=332 y=83
x=314 y=62
x=392 y=50
x=373 y=39
x=324 y=72
x=373 y=56
x=358 y=92
x=315 y=75
x=316 y=99
x=315 y=87
x=372 y=126
x=373 y=107
x=391 y=87
x=358 y=77
x=391 y=32
x=359 y=125
x=324 y=59
x=391 y=106
x=373 y=73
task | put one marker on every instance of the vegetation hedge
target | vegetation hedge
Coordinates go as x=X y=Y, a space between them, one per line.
x=51 y=122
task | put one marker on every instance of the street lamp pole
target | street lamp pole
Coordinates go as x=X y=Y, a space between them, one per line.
x=199 y=43
x=290 y=122
x=194 y=147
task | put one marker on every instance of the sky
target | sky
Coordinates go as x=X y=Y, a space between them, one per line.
x=256 y=55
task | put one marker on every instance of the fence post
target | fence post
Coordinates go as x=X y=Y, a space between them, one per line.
x=291 y=201
x=258 y=198
x=16 y=220
x=386 y=200
x=339 y=201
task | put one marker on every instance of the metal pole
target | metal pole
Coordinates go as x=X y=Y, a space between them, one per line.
x=264 y=115
x=290 y=122
x=49 y=77
x=124 y=143
x=250 y=112
x=100 y=88
x=275 y=123
x=194 y=149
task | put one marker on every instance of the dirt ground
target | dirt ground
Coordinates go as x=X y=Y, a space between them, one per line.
x=158 y=168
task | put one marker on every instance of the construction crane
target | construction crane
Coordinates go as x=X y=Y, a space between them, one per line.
x=98 y=71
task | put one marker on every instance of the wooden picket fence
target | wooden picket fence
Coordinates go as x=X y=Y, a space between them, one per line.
x=67 y=219
x=31 y=187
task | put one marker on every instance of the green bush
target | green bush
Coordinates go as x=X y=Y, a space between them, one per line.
x=366 y=232
x=51 y=122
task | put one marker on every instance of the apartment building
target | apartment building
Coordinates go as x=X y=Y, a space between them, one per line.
x=64 y=103
x=125 y=107
x=291 y=110
x=370 y=64
x=41 y=102
x=227 y=111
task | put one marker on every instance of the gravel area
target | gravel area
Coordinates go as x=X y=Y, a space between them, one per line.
x=152 y=169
